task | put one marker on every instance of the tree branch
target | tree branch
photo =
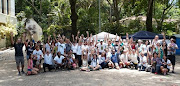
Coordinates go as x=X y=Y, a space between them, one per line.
x=33 y=7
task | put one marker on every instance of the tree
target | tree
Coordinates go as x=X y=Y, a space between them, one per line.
x=149 y=16
x=74 y=16
x=164 y=7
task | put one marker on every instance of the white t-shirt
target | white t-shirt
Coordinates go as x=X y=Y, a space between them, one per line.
x=143 y=60
x=101 y=47
x=79 y=50
x=124 y=58
x=38 y=53
x=74 y=48
x=48 y=48
x=146 y=48
x=59 y=60
x=133 y=58
x=101 y=59
x=48 y=59
x=61 y=47
x=168 y=62
x=85 y=47
x=94 y=62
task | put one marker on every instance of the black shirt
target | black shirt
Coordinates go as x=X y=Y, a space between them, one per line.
x=18 y=49
x=29 y=50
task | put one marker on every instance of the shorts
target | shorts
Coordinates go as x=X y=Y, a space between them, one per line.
x=27 y=57
x=29 y=69
x=172 y=58
x=19 y=60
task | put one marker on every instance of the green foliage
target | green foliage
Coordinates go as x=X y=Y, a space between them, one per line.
x=54 y=15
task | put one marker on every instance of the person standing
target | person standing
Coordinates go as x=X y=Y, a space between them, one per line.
x=19 y=57
x=171 y=53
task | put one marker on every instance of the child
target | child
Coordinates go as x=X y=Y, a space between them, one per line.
x=94 y=63
x=31 y=70
x=84 y=66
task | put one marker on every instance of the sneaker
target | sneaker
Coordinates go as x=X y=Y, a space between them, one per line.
x=22 y=72
x=19 y=74
x=173 y=72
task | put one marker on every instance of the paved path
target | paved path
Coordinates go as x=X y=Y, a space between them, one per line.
x=106 y=77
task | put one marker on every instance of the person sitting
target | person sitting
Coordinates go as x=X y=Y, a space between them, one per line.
x=59 y=60
x=114 y=59
x=165 y=68
x=143 y=62
x=124 y=60
x=37 y=54
x=31 y=70
x=71 y=60
x=133 y=59
x=84 y=66
x=158 y=63
x=94 y=63
x=48 y=59
x=102 y=60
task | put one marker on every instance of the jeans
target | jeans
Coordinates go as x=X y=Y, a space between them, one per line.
x=158 y=68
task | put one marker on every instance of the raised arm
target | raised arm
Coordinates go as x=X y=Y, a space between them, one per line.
x=24 y=38
x=12 y=40
x=55 y=37
x=52 y=49
x=44 y=49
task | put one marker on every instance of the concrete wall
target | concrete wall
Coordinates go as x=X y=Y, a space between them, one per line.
x=2 y=43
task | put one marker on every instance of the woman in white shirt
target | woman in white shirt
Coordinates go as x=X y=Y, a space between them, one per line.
x=165 y=68
x=94 y=63
x=143 y=62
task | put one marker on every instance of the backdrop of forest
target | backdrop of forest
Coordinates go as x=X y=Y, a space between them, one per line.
x=62 y=16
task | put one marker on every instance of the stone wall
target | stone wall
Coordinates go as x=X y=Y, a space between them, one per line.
x=2 y=43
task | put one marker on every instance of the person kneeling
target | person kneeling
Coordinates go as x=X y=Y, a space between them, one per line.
x=143 y=62
x=31 y=70
x=59 y=60
x=165 y=68
x=94 y=63
x=48 y=59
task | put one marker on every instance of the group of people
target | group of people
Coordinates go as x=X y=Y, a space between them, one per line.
x=89 y=53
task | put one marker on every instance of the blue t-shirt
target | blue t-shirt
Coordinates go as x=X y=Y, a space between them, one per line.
x=114 y=58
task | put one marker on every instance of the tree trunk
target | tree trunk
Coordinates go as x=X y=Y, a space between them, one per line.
x=149 y=16
x=116 y=12
x=74 y=17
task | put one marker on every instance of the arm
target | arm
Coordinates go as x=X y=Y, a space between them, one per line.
x=55 y=37
x=44 y=49
x=12 y=40
x=29 y=63
x=52 y=49
x=24 y=38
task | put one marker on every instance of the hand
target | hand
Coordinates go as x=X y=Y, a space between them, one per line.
x=63 y=37
x=78 y=32
x=87 y=32
x=72 y=36
x=54 y=34
x=163 y=33
x=24 y=34
x=11 y=33
x=49 y=36
x=91 y=35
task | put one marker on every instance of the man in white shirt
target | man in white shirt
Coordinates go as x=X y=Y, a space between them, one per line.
x=101 y=46
x=59 y=60
x=48 y=59
x=37 y=54
x=61 y=47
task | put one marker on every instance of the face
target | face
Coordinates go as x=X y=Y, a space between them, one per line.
x=47 y=52
x=113 y=51
x=31 y=43
x=37 y=48
x=155 y=55
x=156 y=37
x=164 y=57
x=94 y=56
x=59 y=53
x=146 y=42
x=19 y=40
x=101 y=42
